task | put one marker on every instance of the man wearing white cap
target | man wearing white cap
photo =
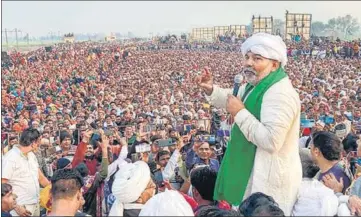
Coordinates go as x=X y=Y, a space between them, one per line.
x=262 y=154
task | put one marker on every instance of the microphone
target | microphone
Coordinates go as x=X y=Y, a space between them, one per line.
x=237 y=83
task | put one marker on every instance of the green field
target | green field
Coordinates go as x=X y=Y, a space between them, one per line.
x=25 y=46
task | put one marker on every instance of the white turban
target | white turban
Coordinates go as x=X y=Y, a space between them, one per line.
x=129 y=183
x=168 y=203
x=266 y=45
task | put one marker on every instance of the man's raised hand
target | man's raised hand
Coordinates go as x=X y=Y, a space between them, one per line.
x=205 y=81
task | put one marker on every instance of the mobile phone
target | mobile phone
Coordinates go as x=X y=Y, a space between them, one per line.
x=142 y=148
x=160 y=184
x=211 y=139
x=96 y=136
x=187 y=127
x=94 y=125
x=94 y=139
x=165 y=142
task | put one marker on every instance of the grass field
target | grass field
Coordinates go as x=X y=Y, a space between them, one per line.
x=25 y=46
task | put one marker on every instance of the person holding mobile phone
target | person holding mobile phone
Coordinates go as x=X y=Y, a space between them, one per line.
x=162 y=160
x=86 y=152
x=173 y=170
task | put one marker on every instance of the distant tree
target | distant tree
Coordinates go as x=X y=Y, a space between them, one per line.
x=318 y=27
x=346 y=25
x=118 y=35
x=131 y=35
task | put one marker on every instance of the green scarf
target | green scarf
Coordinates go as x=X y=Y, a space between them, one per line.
x=238 y=161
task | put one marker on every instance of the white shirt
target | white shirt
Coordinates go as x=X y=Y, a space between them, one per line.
x=315 y=199
x=23 y=175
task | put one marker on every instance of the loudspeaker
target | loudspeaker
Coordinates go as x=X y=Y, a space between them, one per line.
x=262 y=24
x=298 y=25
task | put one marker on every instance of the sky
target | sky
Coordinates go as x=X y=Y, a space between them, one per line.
x=40 y=18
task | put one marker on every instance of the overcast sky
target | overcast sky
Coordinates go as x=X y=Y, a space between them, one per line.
x=141 y=18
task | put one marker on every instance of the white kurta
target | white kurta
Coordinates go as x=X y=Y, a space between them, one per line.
x=277 y=168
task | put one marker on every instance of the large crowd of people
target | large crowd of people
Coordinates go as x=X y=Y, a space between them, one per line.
x=114 y=129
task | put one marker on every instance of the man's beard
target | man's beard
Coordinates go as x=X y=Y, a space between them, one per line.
x=250 y=76
x=89 y=156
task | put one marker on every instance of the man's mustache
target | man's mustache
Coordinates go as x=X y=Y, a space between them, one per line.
x=249 y=71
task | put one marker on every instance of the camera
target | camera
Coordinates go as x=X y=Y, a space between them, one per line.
x=94 y=125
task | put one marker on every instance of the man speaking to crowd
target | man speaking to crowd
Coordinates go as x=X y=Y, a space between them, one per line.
x=262 y=154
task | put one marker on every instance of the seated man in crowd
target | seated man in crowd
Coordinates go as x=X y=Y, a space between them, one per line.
x=259 y=204
x=132 y=188
x=203 y=181
x=8 y=200
x=201 y=154
x=350 y=204
x=326 y=151
x=171 y=167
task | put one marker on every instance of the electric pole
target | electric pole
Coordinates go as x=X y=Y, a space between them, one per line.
x=16 y=37
x=6 y=38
